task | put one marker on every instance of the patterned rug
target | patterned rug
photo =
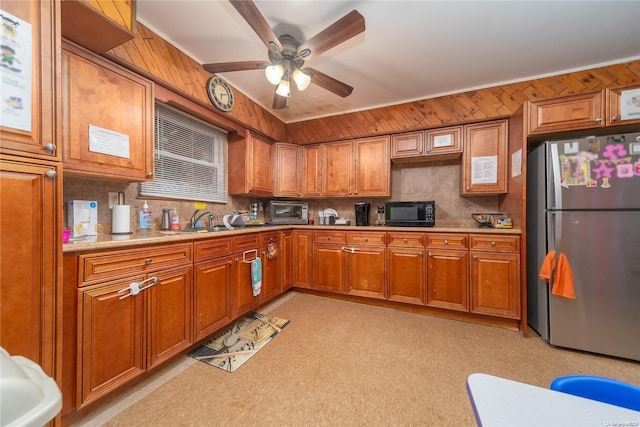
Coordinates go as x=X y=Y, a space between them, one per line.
x=231 y=348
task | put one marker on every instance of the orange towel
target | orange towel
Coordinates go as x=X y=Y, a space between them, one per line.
x=563 y=281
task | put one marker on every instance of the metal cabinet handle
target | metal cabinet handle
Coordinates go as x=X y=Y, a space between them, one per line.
x=51 y=147
x=446 y=242
x=493 y=244
x=366 y=239
x=405 y=240
x=420 y=253
x=599 y=120
x=148 y=261
x=475 y=257
x=51 y=174
x=328 y=237
x=615 y=118
x=430 y=254
x=230 y=261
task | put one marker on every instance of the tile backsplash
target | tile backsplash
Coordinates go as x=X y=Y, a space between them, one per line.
x=439 y=181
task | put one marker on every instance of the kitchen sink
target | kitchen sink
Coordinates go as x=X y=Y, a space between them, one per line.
x=202 y=229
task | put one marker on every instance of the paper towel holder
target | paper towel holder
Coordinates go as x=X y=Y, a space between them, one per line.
x=123 y=216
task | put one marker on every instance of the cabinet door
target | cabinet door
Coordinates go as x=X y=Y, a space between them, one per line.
x=445 y=143
x=110 y=339
x=302 y=258
x=484 y=161
x=311 y=171
x=288 y=170
x=406 y=275
x=243 y=299
x=582 y=111
x=213 y=303
x=170 y=315
x=33 y=133
x=372 y=167
x=407 y=145
x=107 y=126
x=619 y=105
x=337 y=169
x=250 y=166
x=367 y=267
x=286 y=257
x=329 y=268
x=495 y=284
x=271 y=286
x=448 y=279
x=30 y=251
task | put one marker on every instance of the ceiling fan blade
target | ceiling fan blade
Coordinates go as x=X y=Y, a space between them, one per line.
x=249 y=11
x=280 y=102
x=329 y=83
x=340 y=31
x=223 y=67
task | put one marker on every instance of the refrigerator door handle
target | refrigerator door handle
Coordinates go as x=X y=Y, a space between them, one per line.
x=556 y=178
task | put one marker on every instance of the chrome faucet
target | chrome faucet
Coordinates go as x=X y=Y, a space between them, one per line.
x=195 y=218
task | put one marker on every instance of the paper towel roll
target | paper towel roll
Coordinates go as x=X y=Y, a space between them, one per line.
x=121 y=219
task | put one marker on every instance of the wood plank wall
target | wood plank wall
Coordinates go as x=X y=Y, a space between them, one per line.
x=151 y=53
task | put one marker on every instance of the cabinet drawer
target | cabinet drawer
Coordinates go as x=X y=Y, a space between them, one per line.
x=493 y=243
x=447 y=241
x=406 y=239
x=269 y=237
x=110 y=265
x=211 y=249
x=245 y=242
x=330 y=236
x=366 y=238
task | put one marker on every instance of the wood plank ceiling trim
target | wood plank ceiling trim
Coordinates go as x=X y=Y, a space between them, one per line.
x=152 y=54
x=482 y=104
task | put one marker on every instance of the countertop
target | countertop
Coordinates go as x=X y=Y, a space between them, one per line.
x=109 y=241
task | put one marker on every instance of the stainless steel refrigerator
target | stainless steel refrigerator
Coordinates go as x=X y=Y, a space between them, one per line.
x=583 y=199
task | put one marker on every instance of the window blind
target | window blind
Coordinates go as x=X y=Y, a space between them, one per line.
x=190 y=158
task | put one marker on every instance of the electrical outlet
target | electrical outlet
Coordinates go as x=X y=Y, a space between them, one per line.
x=113 y=199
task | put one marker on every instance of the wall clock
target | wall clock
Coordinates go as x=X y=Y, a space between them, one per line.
x=220 y=94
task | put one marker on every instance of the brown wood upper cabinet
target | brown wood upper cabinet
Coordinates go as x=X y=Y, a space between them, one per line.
x=107 y=126
x=287 y=159
x=484 y=160
x=622 y=105
x=609 y=107
x=312 y=170
x=433 y=144
x=573 y=112
x=99 y=25
x=250 y=166
x=356 y=168
x=37 y=137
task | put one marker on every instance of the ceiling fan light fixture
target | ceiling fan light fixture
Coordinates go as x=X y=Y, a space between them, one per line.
x=302 y=79
x=274 y=73
x=284 y=89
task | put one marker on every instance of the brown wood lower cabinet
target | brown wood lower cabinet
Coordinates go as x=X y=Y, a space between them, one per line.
x=122 y=334
x=405 y=255
x=213 y=278
x=366 y=255
x=447 y=271
x=329 y=263
x=302 y=258
x=495 y=275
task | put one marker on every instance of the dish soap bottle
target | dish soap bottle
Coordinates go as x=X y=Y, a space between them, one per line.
x=145 y=217
x=175 y=220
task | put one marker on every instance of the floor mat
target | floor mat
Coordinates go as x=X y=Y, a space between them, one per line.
x=231 y=348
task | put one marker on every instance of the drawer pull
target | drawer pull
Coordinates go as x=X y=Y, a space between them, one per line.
x=148 y=261
x=475 y=257
x=493 y=243
x=134 y=288
x=328 y=237
x=406 y=240
x=366 y=239
x=446 y=242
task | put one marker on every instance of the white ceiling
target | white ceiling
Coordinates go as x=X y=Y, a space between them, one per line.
x=410 y=50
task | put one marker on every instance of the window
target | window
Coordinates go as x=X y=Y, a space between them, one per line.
x=190 y=158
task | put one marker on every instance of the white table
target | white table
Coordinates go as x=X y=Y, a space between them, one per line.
x=499 y=402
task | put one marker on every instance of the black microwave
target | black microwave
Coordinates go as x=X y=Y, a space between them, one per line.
x=410 y=214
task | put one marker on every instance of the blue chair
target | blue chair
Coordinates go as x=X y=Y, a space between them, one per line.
x=602 y=389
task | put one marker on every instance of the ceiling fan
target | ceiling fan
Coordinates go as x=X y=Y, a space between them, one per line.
x=287 y=55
